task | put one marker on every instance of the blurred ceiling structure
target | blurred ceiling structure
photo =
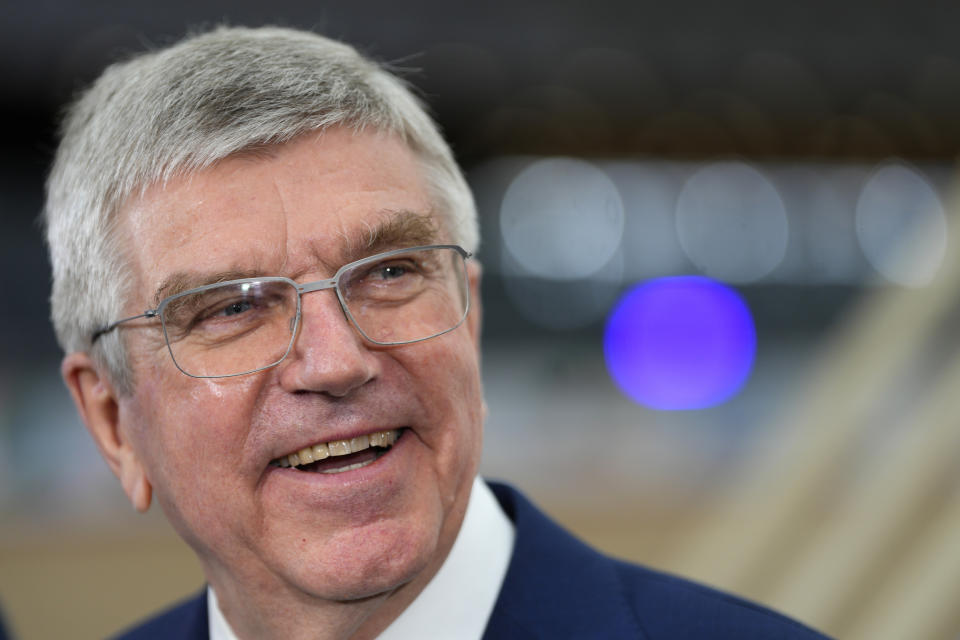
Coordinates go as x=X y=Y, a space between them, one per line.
x=851 y=79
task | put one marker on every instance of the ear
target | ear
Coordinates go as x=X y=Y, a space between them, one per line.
x=98 y=406
x=475 y=315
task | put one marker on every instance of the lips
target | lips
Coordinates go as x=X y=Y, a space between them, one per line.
x=337 y=456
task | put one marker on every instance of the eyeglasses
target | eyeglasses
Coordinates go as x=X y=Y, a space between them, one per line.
x=243 y=326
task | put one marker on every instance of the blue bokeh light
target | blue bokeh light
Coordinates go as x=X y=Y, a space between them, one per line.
x=685 y=342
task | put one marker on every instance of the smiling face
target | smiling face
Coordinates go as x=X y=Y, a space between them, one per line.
x=208 y=447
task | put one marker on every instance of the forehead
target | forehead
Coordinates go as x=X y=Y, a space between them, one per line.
x=304 y=206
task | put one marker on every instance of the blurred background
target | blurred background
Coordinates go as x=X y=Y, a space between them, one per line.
x=721 y=252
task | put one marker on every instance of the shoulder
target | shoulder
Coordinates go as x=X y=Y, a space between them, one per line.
x=558 y=586
x=668 y=606
x=186 y=620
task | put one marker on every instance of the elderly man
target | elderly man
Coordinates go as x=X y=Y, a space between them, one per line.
x=262 y=280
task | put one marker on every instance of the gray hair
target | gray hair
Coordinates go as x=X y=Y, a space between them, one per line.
x=177 y=110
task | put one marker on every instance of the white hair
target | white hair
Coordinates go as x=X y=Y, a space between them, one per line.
x=178 y=110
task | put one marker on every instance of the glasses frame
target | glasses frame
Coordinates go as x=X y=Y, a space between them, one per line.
x=306 y=287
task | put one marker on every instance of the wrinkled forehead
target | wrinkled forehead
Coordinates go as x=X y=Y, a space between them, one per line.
x=313 y=203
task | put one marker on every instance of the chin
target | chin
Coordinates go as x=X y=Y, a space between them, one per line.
x=375 y=561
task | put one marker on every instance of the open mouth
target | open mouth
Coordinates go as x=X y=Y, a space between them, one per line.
x=338 y=456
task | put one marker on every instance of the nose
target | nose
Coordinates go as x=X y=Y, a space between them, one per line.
x=328 y=355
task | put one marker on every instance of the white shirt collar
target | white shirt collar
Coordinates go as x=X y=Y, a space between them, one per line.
x=459 y=600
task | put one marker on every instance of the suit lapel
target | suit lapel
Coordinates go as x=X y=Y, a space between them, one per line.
x=556 y=586
x=185 y=621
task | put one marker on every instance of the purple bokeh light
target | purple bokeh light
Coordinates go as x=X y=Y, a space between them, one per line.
x=685 y=342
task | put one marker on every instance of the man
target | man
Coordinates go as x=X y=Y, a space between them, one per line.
x=260 y=246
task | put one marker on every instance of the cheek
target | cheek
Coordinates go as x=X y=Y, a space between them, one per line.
x=190 y=435
x=454 y=394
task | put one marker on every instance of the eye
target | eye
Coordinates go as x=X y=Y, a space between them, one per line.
x=234 y=308
x=391 y=271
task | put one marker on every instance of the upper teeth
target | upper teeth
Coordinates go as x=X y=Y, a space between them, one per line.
x=338 y=448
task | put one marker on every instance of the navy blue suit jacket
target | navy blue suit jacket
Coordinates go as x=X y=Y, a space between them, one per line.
x=557 y=587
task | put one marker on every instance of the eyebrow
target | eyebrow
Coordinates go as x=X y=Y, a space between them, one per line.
x=181 y=281
x=400 y=229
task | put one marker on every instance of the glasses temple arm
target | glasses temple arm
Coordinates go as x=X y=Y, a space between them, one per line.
x=152 y=313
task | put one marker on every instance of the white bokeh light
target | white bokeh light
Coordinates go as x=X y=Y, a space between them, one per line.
x=732 y=223
x=901 y=225
x=561 y=219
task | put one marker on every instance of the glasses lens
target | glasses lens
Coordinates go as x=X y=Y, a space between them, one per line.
x=231 y=328
x=408 y=296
